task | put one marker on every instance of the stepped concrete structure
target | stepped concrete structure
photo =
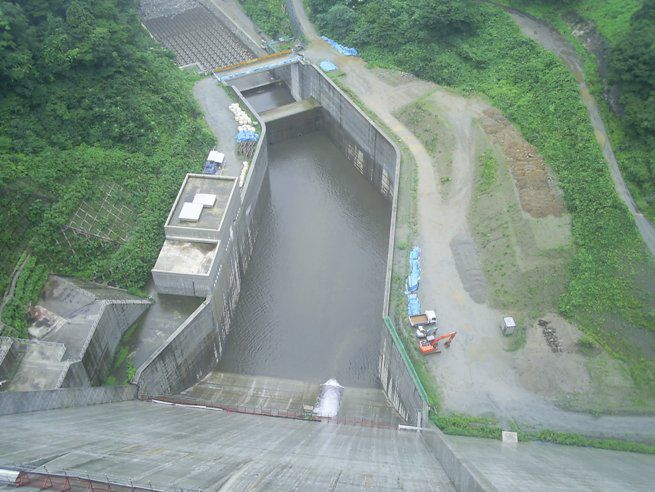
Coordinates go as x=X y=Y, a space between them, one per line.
x=78 y=326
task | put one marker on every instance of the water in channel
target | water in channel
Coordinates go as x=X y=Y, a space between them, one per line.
x=269 y=97
x=311 y=300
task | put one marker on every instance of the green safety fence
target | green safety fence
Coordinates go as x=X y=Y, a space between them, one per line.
x=403 y=353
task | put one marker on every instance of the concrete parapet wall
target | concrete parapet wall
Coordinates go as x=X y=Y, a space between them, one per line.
x=32 y=401
x=463 y=474
x=174 y=283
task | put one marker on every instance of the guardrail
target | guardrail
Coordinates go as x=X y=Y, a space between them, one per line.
x=64 y=480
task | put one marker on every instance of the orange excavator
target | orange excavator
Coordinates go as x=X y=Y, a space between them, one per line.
x=430 y=344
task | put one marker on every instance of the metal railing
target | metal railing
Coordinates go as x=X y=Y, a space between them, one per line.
x=75 y=481
x=405 y=356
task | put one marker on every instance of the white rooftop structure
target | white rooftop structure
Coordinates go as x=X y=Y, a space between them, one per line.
x=215 y=156
x=205 y=199
x=191 y=212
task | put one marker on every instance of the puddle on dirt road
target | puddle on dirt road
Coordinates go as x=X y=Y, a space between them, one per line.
x=311 y=300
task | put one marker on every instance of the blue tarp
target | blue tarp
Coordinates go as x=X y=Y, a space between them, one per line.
x=327 y=66
x=247 y=136
x=414 y=269
x=412 y=282
x=344 y=50
x=413 y=305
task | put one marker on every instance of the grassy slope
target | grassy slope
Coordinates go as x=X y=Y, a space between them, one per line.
x=612 y=21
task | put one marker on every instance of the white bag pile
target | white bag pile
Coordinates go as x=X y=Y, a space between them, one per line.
x=244 y=173
x=240 y=116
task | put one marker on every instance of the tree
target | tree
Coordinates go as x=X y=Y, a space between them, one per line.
x=340 y=20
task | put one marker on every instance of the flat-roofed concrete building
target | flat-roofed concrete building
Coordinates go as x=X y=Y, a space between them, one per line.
x=197 y=227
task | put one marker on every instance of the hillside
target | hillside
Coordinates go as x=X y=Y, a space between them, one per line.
x=477 y=49
x=616 y=38
x=97 y=129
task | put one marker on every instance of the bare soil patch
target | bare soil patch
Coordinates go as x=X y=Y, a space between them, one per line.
x=538 y=192
x=548 y=372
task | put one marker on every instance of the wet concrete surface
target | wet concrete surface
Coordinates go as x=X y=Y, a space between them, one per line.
x=161 y=319
x=310 y=303
x=269 y=97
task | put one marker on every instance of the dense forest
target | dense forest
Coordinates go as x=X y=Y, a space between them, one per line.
x=475 y=47
x=270 y=15
x=97 y=129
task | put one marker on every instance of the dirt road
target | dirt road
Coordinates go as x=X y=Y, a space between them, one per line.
x=477 y=375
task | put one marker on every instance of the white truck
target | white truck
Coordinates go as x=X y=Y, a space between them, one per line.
x=426 y=319
x=425 y=324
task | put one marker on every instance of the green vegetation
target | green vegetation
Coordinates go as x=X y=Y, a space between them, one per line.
x=422 y=118
x=123 y=367
x=463 y=425
x=28 y=286
x=629 y=29
x=487 y=171
x=478 y=48
x=270 y=15
x=89 y=103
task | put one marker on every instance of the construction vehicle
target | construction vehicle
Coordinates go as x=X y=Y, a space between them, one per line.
x=430 y=344
x=426 y=331
x=426 y=319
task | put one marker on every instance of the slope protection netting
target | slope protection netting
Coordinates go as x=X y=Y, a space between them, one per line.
x=194 y=34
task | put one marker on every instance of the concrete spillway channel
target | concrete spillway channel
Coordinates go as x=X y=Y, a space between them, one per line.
x=310 y=301
x=293 y=265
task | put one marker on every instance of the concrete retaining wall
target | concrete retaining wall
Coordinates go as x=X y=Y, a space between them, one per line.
x=8 y=358
x=98 y=351
x=364 y=145
x=195 y=346
x=398 y=382
x=295 y=125
x=32 y=401
x=75 y=376
x=463 y=474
